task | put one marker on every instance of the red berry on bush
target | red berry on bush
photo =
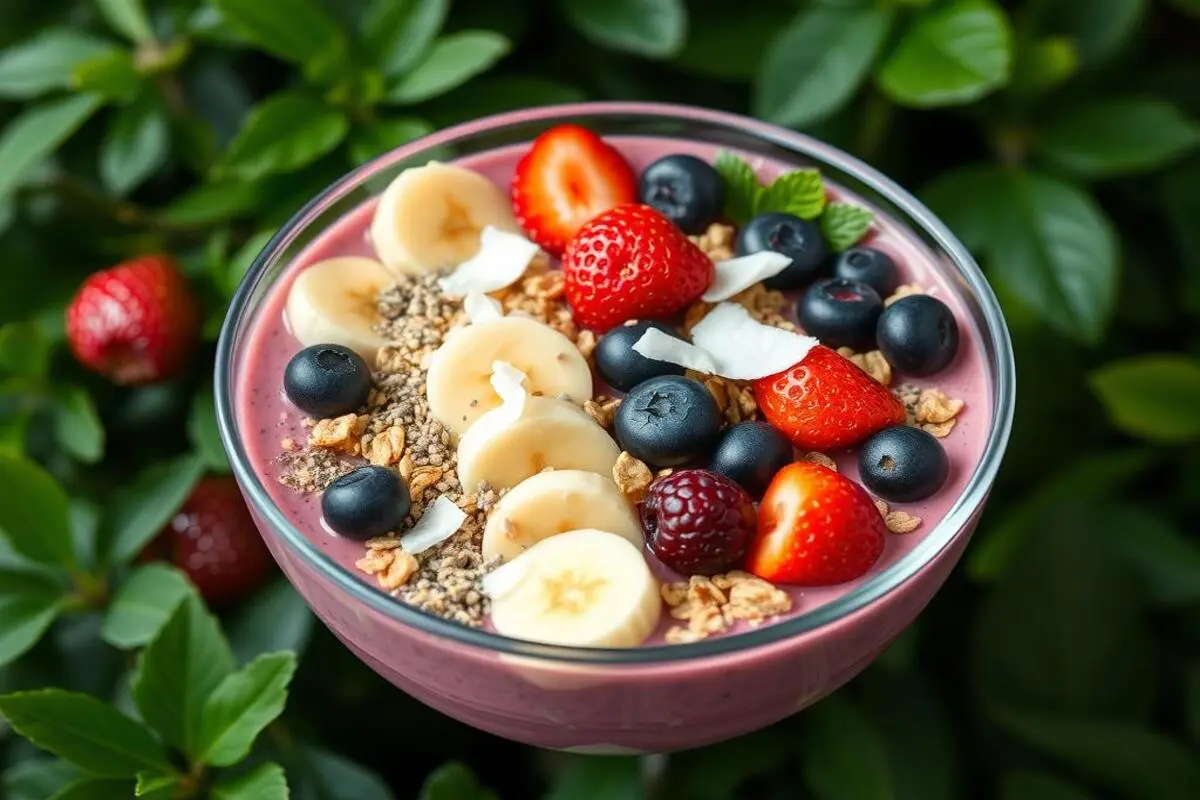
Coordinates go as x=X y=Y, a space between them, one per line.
x=698 y=522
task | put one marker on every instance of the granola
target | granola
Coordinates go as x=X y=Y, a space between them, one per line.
x=898 y=522
x=873 y=363
x=930 y=409
x=712 y=605
x=716 y=242
x=632 y=477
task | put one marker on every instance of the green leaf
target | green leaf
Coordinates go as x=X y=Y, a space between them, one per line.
x=143 y=506
x=286 y=131
x=914 y=726
x=24 y=349
x=398 y=33
x=452 y=60
x=203 y=432
x=301 y=31
x=95 y=789
x=264 y=782
x=332 y=777
x=845 y=224
x=37 y=778
x=136 y=146
x=455 y=781
x=214 y=202
x=1042 y=65
x=128 y=18
x=243 y=705
x=376 y=137
x=178 y=671
x=1154 y=396
x=77 y=426
x=818 y=62
x=647 y=28
x=37 y=132
x=1180 y=191
x=1099 y=31
x=143 y=604
x=493 y=94
x=157 y=786
x=950 y=56
x=1166 y=562
x=843 y=757
x=113 y=75
x=1133 y=761
x=740 y=34
x=719 y=771
x=33 y=512
x=1026 y=785
x=742 y=189
x=232 y=272
x=798 y=192
x=276 y=618
x=44 y=62
x=84 y=731
x=1116 y=136
x=31 y=599
x=610 y=778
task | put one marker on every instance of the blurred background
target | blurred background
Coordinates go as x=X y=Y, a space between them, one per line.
x=1059 y=138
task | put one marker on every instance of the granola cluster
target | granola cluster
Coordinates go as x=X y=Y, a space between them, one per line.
x=713 y=605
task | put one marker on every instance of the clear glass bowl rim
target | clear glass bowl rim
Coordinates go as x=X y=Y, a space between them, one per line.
x=877 y=586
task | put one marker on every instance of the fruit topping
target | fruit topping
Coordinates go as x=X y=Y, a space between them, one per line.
x=798 y=239
x=500 y=262
x=903 y=464
x=738 y=274
x=918 y=335
x=327 y=380
x=845 y=225
x=569 y=176
x=632 y=263
x=815 y=528
x=825 y=402
x=870 y=266
x=798 y=192
x=697 y=522
x=334 y=301
x=685 y=190
x=481 y=308
x=750 y=453
x=135 y=323
x=841 y=313
x=368 y=502
x=668 y=421
x=621 y=366
x=439 y=522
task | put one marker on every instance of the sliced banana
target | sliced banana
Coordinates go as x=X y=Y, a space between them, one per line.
x=583 y=588
x=334 y=302
x=548 y=433
x=459 y=388
x=550 y=503
x=429 y=218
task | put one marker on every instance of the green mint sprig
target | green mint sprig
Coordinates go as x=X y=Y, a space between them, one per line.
x=844 y=225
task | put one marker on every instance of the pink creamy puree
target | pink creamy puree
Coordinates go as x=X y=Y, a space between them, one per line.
x=261 y=400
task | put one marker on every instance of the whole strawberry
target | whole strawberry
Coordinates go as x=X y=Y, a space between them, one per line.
x=134 y=323
x=632 y=263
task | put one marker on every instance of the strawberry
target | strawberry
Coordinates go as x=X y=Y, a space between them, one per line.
x=213 y=539
x=632 y=263
x=815 y=528
x=568 y=176
x=134 y=323
x=826 y=402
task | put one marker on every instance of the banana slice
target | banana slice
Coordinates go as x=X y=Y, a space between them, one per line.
x=459 y=388
x=429 y=218
x=548 y=433
x=584 y=588
x=550 y=503
x=333 y=302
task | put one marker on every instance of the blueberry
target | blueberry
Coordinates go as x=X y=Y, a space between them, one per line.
x=902 y=464
x=668 y=421
x=685 y=189
x=751 y=453
x=620 y=366
x=918 y=335
x=796 y=238
x=841 y=313
x=870 y=266
x=327 y=380
x=368 y=502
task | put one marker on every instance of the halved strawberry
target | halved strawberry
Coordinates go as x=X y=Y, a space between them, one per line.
x=568 y=177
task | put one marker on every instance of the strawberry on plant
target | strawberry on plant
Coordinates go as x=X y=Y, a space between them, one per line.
x=136 y=322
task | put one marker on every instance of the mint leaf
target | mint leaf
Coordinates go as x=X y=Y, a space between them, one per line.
x=143 y=604
x=647 y=28
x=844 y=225
x=301 y=31
x=37 y=132
x=376 y=137
x=241 y=706
x=276 y=618
x=1117 y=136
x=398 y=34
x=452 y=60
x=128 y=18
x=1156 y=396
x=79 y=728
x=77 y=426
x=136 y=146
x=286 y=131
x=799 y=193
x=140 y=508
x=177 y=672
x=33 y=512
x=455 y=781
x=844 y=756
x=324 y=774
x=264 y=782
x=37 y=778
x=742 y=190
x=30 y=600
x=44 y=62
x=202 y=421
x=95 y=789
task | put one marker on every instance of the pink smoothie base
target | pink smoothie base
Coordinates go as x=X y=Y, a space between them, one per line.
x=633 y=707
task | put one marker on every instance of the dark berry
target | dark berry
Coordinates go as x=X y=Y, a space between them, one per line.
x=368 y=502
x=870 y=266
x=620 y=366
x=327 y=380
x=918 y=335
x=668 y=421
x=798 y=239
x=685 y=189
x=841 y=313
x=698 y=522
x=903 y=464
x=751 y=453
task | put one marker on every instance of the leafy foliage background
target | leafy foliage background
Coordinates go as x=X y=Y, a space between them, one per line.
x=1058 y=138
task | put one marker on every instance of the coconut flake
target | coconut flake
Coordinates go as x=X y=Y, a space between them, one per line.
x=504 y=578
x=659 y=346
x=736 y=275
x=508 y=382
x=439 y=522
x=501 y=260
x=481 y=308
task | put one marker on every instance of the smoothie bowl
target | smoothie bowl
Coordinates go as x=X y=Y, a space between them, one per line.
x=615 y=427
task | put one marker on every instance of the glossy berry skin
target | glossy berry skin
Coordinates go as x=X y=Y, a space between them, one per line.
x=815 y=528
x=870 y=266
x=840 y=313
x=918 y=335
x=368 y=502
x=135 y=323
x=903 y=464
x=697 y=522
x=798 y=239
x=327 y=380
x=668 y=422
x=632 y=263
x=825 y=402
x=620 y=366
x=685 y=189
x=750 y=453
